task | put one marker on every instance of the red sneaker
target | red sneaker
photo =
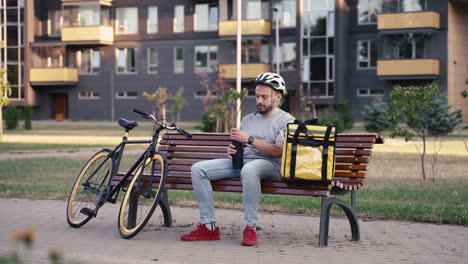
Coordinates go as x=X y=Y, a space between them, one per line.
x=250 y=237
x=201 y=234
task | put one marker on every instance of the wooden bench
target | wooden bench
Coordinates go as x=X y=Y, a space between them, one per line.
x=352 y=157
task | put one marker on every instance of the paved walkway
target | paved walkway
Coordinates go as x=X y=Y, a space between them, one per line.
x=283 y=239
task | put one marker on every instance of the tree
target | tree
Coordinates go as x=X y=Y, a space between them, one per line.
x=220 y=101
x=5 y=91
x=375 y=116
x=179 y=103
x=426 y=114
x=159 y=97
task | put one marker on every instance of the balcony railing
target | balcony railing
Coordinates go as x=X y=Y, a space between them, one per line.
x=412 y=20
x=53 y=76
x=408 y=69
x=258 y=27
x=88 y=35
x=251 y=70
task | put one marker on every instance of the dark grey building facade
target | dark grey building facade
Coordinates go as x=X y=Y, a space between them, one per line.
x=94 y=59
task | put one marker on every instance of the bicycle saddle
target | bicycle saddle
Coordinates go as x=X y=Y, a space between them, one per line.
x=127 y=124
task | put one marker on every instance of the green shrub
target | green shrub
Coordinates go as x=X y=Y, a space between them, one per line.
x=341 y=116
x=376 y=118
x=331 y=117
x=11 y=117
x=345 y=112
x=27 y=115
x=208 y=122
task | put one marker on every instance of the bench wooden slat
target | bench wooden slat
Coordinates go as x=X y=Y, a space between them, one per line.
x=195 y=155
x=354 y=145
x=353 y=152
x=195 y=142
x=350 y=167
x=194 y=149
x=351 y=159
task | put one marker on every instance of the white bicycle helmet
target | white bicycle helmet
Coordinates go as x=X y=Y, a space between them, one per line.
x=273 y=80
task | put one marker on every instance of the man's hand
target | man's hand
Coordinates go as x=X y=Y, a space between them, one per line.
x=239 y=135
x=231 y=150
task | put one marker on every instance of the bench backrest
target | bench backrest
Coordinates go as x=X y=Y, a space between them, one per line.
x=352 y=156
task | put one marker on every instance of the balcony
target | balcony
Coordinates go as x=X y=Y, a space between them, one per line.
x=408 y=69
x=405 y=22
x=53 y=76
x=251 y=70
x=88 y=35
x=258 y=27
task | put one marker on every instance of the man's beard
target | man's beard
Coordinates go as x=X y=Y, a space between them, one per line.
x=266 y=111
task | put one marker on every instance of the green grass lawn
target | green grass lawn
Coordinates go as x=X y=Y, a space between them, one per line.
x=389 y=195
x=394 y=187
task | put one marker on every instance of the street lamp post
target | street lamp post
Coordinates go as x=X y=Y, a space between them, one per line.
x=276 y=11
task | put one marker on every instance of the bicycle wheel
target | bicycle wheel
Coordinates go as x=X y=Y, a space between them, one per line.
x=91 y=181
x=141 y=199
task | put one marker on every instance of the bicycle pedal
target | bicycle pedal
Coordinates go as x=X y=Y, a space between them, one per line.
x=88 y=212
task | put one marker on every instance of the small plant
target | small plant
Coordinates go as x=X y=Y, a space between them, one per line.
x=11 y=117
x=376 y=118
x=425 y=113
x=27 y=115
x=159 y=97
x=208 y=123
x=340 y=115
x=179 y=103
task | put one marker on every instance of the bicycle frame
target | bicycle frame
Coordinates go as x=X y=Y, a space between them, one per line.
x=111 y=193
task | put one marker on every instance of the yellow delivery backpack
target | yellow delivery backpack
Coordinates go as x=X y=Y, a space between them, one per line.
x=308 y=152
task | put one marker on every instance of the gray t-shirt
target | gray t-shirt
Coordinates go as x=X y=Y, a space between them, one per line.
x=265 y=128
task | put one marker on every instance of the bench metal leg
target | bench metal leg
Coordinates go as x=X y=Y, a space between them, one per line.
x=325 y=219
x=166 y=210
x=132 y=211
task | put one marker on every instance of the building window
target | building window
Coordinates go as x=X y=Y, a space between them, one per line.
x=318 y=48
x=86 y=15
x=152 y=22
x=406 y=46
x=126 y=20
x=286 y=14
x=179 y=17
x=89 y=95
x=54 y=23
x=178 y=60
x=370 y=92
x=367 y=54
x=153 y=60
x=126 y=95
x=206 y=17
x=254 y=51
x=205 y=58
x=287 y=56
x=368 y=10
x=88 y=61
x=126 y=60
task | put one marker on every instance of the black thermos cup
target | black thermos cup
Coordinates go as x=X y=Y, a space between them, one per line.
x=238 y=158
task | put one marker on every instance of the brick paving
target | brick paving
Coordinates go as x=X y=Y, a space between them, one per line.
x=283 y=239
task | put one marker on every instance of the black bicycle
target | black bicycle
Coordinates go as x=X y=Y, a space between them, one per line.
x=147 y=177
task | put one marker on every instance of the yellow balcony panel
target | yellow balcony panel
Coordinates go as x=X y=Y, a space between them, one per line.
x=251 y=70
x=249 y=27
x=88 y=35
x=408 y=20
x=50 y=76
x=417 y=68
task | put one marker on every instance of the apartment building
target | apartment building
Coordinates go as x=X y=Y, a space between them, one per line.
x=94 y=59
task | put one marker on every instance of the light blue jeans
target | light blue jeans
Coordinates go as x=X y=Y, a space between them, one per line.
x=253 y=171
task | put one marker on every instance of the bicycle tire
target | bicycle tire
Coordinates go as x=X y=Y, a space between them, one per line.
x=130 y=224
x=96 y=174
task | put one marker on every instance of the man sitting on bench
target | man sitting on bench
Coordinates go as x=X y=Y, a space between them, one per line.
x=262 y=134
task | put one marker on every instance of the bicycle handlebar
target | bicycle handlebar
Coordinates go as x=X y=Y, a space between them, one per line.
x=173 y=126
x=183 y=132
x=142 y=113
